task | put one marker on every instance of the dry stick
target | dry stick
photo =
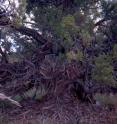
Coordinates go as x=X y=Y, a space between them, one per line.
x=4 y=97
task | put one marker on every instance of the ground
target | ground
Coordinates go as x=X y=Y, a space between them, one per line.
x=58 y=111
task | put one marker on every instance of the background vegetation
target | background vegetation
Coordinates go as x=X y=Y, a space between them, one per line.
x=54 y=48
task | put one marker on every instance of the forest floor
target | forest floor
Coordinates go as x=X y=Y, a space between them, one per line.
x=58 y=111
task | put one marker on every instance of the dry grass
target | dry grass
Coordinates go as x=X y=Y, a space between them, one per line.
x=59 y=111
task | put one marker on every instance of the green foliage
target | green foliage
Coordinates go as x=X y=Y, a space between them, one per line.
x=62 y=57
x=115 y=52
x=33 y=93
x=18 y=98
x=64 y=26
x=106 y=99
x=67 y=27
x=68 y=21
x=48 y=17
x=40 y=93
x=20 y=13
x=75 y=55
x=14 y=58
x=103 y=70
x=86 y=38
x=30 y=93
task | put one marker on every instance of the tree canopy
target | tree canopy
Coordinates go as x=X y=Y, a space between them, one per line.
x=49 y=43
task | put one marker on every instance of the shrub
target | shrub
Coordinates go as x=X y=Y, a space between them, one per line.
x=103 y=71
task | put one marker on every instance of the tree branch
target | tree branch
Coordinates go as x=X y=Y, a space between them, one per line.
x=100 y=22
x=30 y=32
x=4 y=57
